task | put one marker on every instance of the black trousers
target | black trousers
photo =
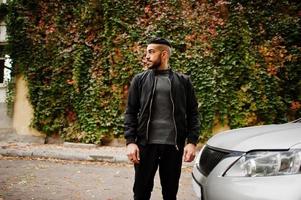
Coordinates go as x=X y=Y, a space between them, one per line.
x=169 y=161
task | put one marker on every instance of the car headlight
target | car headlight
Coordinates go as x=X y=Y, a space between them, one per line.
x=267 y=163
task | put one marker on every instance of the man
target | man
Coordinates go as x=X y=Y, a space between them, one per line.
x=160 y=118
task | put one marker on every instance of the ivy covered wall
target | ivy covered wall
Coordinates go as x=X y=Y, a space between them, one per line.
x=79 y=57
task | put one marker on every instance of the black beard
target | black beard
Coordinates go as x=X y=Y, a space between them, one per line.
x=155 y=65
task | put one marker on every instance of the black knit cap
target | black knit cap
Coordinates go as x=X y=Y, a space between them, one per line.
x=159 y=40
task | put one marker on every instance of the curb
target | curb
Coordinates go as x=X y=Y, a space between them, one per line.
x=62 y=153
x=62 y=156
x=74 y=152
x=79 y=145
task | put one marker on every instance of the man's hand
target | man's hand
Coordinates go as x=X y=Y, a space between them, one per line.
x=132 y=151
x=189 y=152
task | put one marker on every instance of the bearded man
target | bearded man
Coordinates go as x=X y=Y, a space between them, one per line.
x=161 y=123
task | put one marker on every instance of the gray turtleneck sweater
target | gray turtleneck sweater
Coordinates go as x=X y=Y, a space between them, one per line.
x=161 y=127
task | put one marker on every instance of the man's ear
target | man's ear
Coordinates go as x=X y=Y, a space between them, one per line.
x=165 y=53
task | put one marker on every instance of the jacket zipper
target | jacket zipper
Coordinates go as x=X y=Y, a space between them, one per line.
x=150 y=109
x=173 y=116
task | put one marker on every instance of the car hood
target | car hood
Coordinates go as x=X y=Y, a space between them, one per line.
x=264 y=137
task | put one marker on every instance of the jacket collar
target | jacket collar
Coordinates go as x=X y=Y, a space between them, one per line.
x=153 y=73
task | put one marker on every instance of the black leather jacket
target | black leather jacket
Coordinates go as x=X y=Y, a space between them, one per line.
x=185 y=108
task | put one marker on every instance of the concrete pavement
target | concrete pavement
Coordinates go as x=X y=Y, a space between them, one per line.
x=46 y=179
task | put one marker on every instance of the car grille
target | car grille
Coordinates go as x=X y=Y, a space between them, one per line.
x=210 y=158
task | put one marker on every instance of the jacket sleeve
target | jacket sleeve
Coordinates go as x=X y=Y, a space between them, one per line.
x=193 y=122
x=131 y=112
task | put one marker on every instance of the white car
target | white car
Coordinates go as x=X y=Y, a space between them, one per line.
x=254 y=163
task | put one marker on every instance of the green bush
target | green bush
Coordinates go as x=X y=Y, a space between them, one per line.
x=79 y=57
